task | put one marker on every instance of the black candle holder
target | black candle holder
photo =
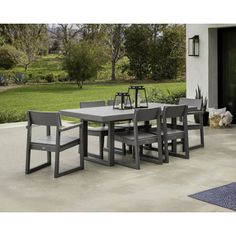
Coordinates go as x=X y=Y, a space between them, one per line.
x=122 y=101
x=137 y=92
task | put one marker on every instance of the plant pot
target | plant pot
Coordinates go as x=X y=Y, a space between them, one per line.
x=205 y=118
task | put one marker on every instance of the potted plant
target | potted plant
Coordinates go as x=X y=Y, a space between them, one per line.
x=199 y=95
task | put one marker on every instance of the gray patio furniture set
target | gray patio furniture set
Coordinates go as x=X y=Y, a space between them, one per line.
x=168 y=126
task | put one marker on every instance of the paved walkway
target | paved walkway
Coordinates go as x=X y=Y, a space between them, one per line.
x=100 y=188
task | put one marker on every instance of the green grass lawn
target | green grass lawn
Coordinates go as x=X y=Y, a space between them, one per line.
x=53 y=97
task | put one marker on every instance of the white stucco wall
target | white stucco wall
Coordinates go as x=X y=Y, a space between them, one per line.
x=203 y=70
x=197 y=67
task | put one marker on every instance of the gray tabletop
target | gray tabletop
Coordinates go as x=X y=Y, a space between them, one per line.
x=105 y=113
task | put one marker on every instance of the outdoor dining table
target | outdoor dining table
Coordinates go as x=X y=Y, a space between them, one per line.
x=107 y=115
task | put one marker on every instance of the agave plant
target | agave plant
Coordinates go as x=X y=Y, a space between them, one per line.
x=199 y=95
x=3 y=80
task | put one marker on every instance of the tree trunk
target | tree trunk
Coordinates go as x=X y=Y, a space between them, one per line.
x=26 y=67
x=80 y=84
x=113 y=70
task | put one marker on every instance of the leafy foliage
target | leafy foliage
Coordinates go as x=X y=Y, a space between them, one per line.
x=81 y=62
x=168 y=96
x=199 y=95
x=156 y=51
x=137 y=39
x=9 y=57
x=167 y=51
x=28 y=38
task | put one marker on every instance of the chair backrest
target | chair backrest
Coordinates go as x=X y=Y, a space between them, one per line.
x=175 y=111
x=92 y=104
x=44 y=118
x=191 y=102
x=110 y=102
x=147 y=114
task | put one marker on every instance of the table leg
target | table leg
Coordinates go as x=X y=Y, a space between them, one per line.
x=84 y=145
x=84 y=139
x=111 y=143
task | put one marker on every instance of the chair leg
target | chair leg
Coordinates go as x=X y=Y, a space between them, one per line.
x=202 y=136
x=133 y=151
x=49 y=157
x=141 y=150
x=137 y=157
x=174 y=146
x=186 y=148
x=123 y=149
x=183 y=147
x=130 y=149
x=101 y=145
x=166 y=151
x=27 y=165
x=160 y=149
x=56 y=168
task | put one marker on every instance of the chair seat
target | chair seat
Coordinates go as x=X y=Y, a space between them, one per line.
x=98 y=129
x=143 y=137
x=191 y=125
x=51 y=140
x=101 y=129
x=131 y=125
x=170 y=132
x=174 y=132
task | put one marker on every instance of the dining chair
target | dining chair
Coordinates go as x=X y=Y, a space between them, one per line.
x=191 y=124
x=139 y=137
x=173 y=133
x=50 y=143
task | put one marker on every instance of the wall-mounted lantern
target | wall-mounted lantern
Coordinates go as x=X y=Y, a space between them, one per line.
x=193 y=46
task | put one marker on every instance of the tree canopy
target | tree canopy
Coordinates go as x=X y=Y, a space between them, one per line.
x=149 y=51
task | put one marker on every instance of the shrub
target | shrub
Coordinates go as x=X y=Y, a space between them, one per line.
x=49 y=78
x=20 y=78
x=11 y=116
x=6 y=77
x=81 y=62
x=9 y=57
x=157 y=95
x=3 y=80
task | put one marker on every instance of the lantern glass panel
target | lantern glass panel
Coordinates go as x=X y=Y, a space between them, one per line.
x=196 y=47
x=190 y=47
x=138 y=96
x=122 y=101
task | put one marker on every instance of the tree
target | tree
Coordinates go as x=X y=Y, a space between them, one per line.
x=167 y=51
x=115 y=42
x=10 y=56
x=29 y=38
x=80 y=62
x=137 y=38
x=92 y=32
x=66 y=34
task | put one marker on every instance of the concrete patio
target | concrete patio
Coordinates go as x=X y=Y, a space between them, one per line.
x=99 y=188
